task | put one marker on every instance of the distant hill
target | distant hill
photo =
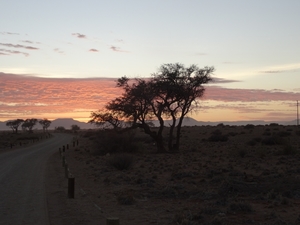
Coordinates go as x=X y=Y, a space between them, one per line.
x=192 y=122
x=68 y=122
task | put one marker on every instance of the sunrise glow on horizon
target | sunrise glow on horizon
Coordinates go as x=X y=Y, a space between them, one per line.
x=61 y=59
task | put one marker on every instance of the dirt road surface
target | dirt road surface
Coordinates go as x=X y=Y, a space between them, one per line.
x=22 y=182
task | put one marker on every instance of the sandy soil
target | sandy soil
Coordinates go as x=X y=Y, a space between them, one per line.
x=222 y=175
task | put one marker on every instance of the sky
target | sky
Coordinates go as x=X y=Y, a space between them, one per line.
x=60 y=59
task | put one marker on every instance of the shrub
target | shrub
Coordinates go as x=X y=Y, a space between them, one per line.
x=254 y=141
x=232 y=134
x=284 y=133
x=273 y=124
x=109 y=141
x=218 y=138
x=257 y=139
x=273 y=140
x=287 y=150
x=185 y=217
x=242 y=152
x=126 y=198
x=241 y=207
x=251 y=142
x=60 y=128
x=121 y=161
x=249 y=126
x=216 y=132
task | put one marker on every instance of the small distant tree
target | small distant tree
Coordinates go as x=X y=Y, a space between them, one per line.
x=14 y=124
x=60 y=128
x=45 y=124
x=28 y=124
x=75 y=128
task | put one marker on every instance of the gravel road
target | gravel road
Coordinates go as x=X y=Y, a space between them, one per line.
x=22 y=182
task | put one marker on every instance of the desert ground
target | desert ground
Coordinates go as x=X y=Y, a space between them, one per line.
x=221 y=175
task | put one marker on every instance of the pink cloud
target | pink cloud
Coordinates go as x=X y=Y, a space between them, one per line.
x=28 y=94
x=248 y=95
x=31 y=96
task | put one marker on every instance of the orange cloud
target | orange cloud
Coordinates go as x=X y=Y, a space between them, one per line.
x=26 y=95
x=23 y=96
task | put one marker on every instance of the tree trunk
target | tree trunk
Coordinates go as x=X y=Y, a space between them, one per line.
x=160 y=145
x=157 y=137
x=178 y=133
x=170 y=141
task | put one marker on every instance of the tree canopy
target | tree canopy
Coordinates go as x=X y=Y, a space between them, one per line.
x=28 y=124
x=14 y=124
x=75 y=128
x=45 y=123
x=172 y=92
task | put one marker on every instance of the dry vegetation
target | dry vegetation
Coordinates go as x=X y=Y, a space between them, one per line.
x=9 y=140
x=222 y=175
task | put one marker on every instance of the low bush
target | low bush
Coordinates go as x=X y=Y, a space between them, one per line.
x=284 y=133
x=218 y=138
x=254 y=141
x=109 y=141
x=249 y=126
x=240 y=207
x=273 y=140
x=121 y=161
x=126 y=198
x=287 y=150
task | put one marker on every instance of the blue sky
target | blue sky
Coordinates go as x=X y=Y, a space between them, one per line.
x=253 y=42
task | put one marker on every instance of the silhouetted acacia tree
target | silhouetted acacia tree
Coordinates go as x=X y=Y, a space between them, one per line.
x=179 y=88
x=172 y=92
x=28 y=124
x=45 y=124
x=14 y=124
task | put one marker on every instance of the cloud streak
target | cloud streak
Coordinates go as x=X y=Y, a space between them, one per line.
x=116 y=49
x=4 y=51
x=248 y=95
x=18 y=46
x=78 y=35
x=8 y=33
x=217 y=80
x=58 y=50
